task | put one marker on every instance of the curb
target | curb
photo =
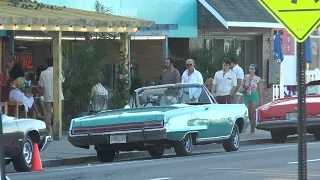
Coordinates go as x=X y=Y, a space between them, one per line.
x=143 y=154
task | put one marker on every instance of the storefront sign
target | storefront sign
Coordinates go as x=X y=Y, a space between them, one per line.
x=27 y=60
x=181 y=12
x=287 y=41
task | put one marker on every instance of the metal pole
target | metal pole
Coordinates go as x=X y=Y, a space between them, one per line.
x=2 y=165
x=302 y=137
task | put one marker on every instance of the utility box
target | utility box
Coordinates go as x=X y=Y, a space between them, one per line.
x=273 y=71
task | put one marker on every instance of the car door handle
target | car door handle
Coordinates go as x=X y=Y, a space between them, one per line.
x=206 y=109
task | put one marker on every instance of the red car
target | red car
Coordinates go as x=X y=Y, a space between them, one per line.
x=280 y=117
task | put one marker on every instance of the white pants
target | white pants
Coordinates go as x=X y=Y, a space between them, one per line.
x=18 y=96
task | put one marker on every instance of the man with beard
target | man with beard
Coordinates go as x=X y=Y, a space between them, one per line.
x=170 y=75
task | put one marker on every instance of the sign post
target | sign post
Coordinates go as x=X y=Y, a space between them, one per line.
x=300 y=18
x=302 y=136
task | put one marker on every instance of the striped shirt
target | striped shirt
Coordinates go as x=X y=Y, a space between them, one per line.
x=99 y=98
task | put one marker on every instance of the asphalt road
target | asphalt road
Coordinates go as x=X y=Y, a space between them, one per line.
x=263 y=162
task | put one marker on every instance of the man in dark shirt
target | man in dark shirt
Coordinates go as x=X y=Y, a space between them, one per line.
x=170 y=75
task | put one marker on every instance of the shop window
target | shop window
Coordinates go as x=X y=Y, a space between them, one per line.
x=249 y=49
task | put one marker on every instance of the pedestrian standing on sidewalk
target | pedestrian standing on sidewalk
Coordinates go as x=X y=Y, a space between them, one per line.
x=253 y=94
x=46 y=82
x=170 y=75
x=191 y=75
x=224 y=83
x=240 y=75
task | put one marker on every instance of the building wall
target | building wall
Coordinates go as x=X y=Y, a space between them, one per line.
x=149 y=55
x=178 y=46
x=267 y=92
x=267 y=48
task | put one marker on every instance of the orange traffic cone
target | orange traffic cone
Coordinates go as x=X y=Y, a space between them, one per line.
x=36 y=160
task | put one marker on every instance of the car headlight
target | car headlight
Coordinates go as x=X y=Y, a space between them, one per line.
x=291 y=116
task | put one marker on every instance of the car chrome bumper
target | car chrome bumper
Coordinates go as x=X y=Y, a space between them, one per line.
x=45 y=142
x=104 y=138
x=287 y=124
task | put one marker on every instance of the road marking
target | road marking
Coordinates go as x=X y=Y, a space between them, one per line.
x=165 y=178
x=153 y=160
x=268 y=172
x=311 y=160
x=276 y=147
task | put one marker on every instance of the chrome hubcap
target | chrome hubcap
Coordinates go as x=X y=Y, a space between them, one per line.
x=187 y=143
x=27 y=151
x=235 y=137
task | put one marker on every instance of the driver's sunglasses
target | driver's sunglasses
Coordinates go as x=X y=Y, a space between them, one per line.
x=189 y=64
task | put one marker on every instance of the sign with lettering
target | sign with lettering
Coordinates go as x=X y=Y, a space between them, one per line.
x=287 y=41
x=26 y=61
x=299 y=17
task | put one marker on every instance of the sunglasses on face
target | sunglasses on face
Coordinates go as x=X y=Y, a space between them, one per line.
x=189 y=64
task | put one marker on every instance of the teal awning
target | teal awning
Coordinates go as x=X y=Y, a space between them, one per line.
x=3 y=33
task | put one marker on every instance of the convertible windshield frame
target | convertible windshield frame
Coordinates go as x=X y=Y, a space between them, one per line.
x=173 y=86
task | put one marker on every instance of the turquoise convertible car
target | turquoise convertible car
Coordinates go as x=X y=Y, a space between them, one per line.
x=162 y=117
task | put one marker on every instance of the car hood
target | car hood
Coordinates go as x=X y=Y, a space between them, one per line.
x=123 y=116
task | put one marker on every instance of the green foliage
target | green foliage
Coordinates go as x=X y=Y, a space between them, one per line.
x=120 y=95
x=28 y=4
x=82 y=64
x=100 y=8
x=208 y=61
x=134 y=73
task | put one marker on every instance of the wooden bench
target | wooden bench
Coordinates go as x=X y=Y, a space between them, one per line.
x=5 y=105
x=17 y=105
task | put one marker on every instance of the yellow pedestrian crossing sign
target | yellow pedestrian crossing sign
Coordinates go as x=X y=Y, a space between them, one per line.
x=299 y=17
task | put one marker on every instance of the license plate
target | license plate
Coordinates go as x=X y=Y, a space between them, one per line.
x=118 y=139
x=292 y=116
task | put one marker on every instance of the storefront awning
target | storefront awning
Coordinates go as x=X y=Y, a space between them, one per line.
x=31 y=15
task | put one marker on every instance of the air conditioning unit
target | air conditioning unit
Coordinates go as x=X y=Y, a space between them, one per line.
x=273 y=71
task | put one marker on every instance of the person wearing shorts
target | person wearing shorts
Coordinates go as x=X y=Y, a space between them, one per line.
x=253 y=94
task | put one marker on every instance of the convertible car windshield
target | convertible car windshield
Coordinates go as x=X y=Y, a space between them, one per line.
x=174 y=94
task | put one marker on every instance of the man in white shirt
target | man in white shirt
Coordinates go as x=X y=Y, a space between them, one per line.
x=240 y=75
x=46 y=82
x=224 y=84
x=191 y=75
